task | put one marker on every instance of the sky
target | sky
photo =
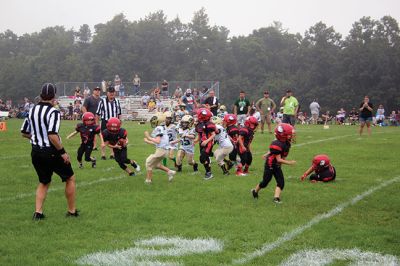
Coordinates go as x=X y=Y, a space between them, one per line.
x=240 y=18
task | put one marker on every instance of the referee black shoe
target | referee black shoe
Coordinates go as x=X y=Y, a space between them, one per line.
x=38 y=216
x=254 y=193
x=94 y=163
x=72 y=214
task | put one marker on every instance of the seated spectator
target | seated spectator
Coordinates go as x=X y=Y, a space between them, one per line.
x=77 y=93
x=341 y=116
x=327 y=117
x=77 y=111
x=301 y=117
x=151 y=105
x=380 y=115
x=393 y=119
x=353 y=116
x=178 y=92
x=159 y=105
x=145 y=100
x=157 y=92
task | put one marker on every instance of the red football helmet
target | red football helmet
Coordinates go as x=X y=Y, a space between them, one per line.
x=284 y=132
x=204 y=115
x=321 y=160
x=88 y=118
x=251 y=122
x=113 y=125
x=230 y=119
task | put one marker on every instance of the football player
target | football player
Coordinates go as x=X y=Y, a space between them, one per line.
x=88 y=131
x=172 y=133
x=232 y=129
x=206 y=133
x=186 y=147
x=324 y=170
x=225 y=147
x=246 y=135
x=278 y=151
x=116 y=138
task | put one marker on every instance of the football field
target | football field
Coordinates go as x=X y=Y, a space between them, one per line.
x=190 y=221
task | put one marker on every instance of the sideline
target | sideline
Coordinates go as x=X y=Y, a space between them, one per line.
x=268 y=247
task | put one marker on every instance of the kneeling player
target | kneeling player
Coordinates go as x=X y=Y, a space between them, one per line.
x=88 y=131
x=324 y=170
x=116 y=138
x=186 y=147
x=278 y=151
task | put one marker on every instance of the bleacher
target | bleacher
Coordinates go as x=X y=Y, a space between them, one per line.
x=131 y=107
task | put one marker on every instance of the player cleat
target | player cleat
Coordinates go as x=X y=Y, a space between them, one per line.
x=254 y=193
x=148 y=181
x=80 y=165
x=208 y=176
x=111 y=157
x=195 y=167
x=94 y=163
x=38 y=216
x=103 y=158
x=136 y=166
x=72 y=214
x=179 y=168
x=230 y=165
x=277 y=200
x=240 y=173
x=132 y=174
x=171 y=174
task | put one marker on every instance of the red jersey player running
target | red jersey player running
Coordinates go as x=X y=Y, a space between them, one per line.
x=246 y=135
x=324 y=170
x=278 y=151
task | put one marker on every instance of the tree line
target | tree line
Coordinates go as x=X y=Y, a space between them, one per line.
x=322 y=64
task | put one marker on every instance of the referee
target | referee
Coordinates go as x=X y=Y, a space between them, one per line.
x=48 y=154
x=108 y=107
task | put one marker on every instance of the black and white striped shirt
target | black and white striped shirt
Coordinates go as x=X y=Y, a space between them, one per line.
x=42 y=121
x=108 y=109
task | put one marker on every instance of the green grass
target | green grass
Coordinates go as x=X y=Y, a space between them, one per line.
x=115 y=213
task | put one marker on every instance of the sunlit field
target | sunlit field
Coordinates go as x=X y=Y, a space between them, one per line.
x=190 y=221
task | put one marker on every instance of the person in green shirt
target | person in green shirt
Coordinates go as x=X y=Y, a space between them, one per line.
x=241 y=108
x=265 y=106
x=290 y=107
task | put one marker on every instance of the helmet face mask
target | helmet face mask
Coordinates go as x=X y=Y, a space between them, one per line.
x=204 y=115
x=186 y=121
x=113 y=125
x=251 y=123
x=88 y=119
x=230 y=119
x=284 y=132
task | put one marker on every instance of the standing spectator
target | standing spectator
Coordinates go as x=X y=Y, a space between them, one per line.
x=314 y=109
x=122 y=90
x=290 y=107
x=145 y=100
x=241 y=108
x=212 y=102
x=104 y=86
x=366 y=108
x=266 y=106
x=77 y=93
x=117 y=84
x=164 y=89
x=178 y=92
x=157 y=92
x=86 y=92
x=108 y=107
x=341 y=116
x=48 y=154
x=136 y=84
x=392 y=119
x=189 y=101
x=70 y=111
x=380 y=115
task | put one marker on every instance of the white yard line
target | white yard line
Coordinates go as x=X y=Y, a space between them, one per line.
x=268 y=247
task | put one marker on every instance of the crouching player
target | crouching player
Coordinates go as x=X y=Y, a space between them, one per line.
x=159 y=137
x=88 y=131
x=206 y=133
x=116 y=138
x=186 y=147
x=246 y=135
x=324 y=170
x=225 y=147
x=278 y=151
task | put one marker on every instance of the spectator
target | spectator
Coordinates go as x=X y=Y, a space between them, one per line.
x=164 y=89
x=117 y=85
x=77 y=93
x=70 y=111
x=253 y=112
x=157 y=92
x=392 y=119
x=91 y=103
x=77 y=110
x=290 y=107
x=212 y=102
x=366 y=108
x=86 y=92
x=182 y=111
x=301 y=117
x=145 y=100
x=353 y=116
x=380 y=115
x=241 y=108
x=104 y=86
x=314 y=109
x=178 y=93
x=265 y=106
x=326 y=117
x=136 y=84
x=151 y=105
x=341 y=116
x=159 y=105
x=189 y=100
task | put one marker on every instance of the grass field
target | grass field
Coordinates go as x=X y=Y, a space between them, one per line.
x=194 y=222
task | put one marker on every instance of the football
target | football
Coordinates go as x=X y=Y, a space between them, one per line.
x=122 y=142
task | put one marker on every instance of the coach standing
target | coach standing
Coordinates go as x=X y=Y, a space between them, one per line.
x=48 y=154
x=108 y=107
x=290 y=107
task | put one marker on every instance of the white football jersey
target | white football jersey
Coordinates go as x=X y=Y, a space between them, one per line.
x=172 y=132
x=222 y=137
x=186 y=144
x=162 y=132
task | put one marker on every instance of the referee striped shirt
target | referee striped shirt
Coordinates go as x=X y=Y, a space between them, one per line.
x=42 y=121
x=108 y=109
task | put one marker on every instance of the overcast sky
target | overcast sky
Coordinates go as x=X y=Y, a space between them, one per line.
x=240 y=17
